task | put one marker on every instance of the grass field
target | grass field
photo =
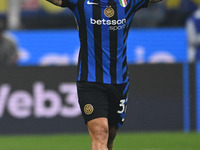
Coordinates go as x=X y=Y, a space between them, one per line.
x=124 y=141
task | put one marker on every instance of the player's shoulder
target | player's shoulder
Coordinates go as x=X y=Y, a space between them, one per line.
x=138 y=3
x=197 y=14
x=71 y=1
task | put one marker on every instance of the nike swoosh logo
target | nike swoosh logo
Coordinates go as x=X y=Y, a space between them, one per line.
x=91 y=3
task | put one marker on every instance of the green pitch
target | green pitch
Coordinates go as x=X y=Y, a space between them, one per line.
x=124 y=141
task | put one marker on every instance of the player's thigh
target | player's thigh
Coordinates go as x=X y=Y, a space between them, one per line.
x=98 y=126
x=93 y=100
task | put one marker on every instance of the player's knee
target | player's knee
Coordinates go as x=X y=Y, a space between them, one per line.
x=101 y=132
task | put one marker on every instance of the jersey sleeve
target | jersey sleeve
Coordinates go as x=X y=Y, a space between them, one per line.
x=141 y=4
x=71 y=4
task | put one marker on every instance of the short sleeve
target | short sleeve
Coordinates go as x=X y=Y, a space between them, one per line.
x=69 y=3
x=141 y=4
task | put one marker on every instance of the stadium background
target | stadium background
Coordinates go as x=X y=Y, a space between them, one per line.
x=39 y=96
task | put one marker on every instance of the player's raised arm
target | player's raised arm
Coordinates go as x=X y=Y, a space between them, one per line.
x=55 y=2
x=154 y=1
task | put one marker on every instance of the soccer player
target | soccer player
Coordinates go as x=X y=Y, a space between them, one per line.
x=8 y=48
x=193 y=30
x=102 y=80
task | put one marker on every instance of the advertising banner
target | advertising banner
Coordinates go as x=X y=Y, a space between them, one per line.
x=44 y=100
x=61 y=47
x=39 y=100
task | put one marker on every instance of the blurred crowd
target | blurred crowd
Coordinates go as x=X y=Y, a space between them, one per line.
x=39 y=14
x=169 y=13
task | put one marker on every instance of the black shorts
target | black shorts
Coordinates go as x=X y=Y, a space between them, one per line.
x=103 y=100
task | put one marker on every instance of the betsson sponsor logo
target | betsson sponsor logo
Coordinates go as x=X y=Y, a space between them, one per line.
x=113 y=24
x=40 y=102
x=108 y=22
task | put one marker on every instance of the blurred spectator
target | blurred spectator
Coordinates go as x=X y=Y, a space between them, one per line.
x=189 y=5
x=177 y=12
x=8 y=49
x=151 y=17
x=193 y=29
x=182 y=5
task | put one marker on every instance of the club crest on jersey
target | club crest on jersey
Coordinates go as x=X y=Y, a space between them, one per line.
x=123 y=3
x=88 y=109
x=109 y=12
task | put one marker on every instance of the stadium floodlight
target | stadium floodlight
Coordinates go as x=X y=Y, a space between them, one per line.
x=13 y=14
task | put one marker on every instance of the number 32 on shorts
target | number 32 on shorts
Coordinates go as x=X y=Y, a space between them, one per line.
x=122 y=105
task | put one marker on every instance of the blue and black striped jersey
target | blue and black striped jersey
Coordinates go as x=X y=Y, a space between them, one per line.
x=103 y=31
